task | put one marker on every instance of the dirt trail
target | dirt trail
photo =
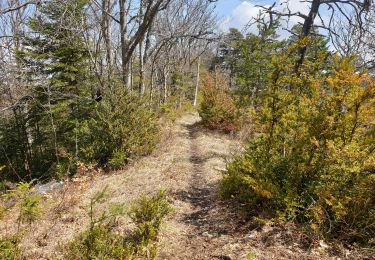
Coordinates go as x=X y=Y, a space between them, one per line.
x=187 y=164
x=201 y=228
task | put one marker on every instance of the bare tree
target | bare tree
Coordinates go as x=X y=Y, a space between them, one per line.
x=344 y=7
x=182 y=32
x=12 y=25
x=352 y=38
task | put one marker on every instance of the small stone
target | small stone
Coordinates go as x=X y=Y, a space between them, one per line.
x=206 y=234
x=323 y=244
x=252 y=235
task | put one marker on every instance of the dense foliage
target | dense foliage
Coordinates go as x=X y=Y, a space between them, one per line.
x=218 y=109
x=9 y=248
x=311 y=159
x=119 y=129
x=64 y=120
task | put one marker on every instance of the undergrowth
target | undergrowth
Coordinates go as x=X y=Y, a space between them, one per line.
x=9 y=248
x=26 y=202
x=103 y=240
x=217 y=108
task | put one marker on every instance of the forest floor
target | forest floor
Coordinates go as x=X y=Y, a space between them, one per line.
x=188 y=164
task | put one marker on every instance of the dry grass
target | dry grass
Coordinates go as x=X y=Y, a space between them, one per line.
x=187 y=164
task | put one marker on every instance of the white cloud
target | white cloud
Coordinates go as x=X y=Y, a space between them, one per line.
x=247 y=10
x=243 y=13
x=240 y=16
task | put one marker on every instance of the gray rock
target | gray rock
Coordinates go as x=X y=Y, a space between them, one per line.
x=49 y=187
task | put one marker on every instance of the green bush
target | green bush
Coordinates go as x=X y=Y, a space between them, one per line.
x=101 y=241
x=122 y=128
x=117 y=160
x=9 y=249
x=313 y=159
x=112 y=132
x=27 y=202
x=148 y=214
x=217 y=109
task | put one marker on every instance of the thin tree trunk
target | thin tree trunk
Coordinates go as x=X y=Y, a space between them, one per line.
x=141 y=71
x=152 y=84
x=307 y=26
x=130 y=74
x=106 y=30
x=53 y=124
x=197 y=83
x=165 y=90
x=124 y=39
x=141 y=64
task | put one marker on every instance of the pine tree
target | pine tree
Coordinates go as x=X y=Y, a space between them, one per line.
x=228 y=53
x=56 y=57
x=255 y=63
x=55 y=47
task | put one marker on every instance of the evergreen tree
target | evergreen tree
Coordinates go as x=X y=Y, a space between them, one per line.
x=318 y=57
x=312 y=157
x=255 y=64
x=44 y=128
x=55 y=47
x=228 y=53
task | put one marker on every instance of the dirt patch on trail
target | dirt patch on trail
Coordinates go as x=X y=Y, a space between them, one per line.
x=188 y=165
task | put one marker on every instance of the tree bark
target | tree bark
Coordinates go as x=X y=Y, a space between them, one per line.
x=106 y=31
x=124 y=42
x=307 y=25
x=165 y=85
x=197 y=83
x=141 y=53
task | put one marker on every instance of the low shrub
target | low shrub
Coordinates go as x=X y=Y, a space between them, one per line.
x=148 y=214
x=101 y=241
x=218 y=109
x=111 y=132
x=27 y=202
x=117 y=160
x=9 y=249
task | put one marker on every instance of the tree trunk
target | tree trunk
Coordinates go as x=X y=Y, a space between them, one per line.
x=152 y=84
x=307 y=25
x=165 y=90
x=128 y=45
x=106 y=31
x=141 y=53
x=197 y=83
x=124 y=42
x=130 y=74
x=141 y=70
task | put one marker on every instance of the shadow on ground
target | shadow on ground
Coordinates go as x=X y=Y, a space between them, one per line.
x=211 y=216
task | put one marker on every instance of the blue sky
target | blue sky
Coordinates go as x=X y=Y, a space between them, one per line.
x=237 y=13
x=225 y=7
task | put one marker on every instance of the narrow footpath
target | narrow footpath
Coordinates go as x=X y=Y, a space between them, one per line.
x=188 y=164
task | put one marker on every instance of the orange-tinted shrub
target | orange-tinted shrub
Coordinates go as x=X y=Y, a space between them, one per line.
x=217 y=109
